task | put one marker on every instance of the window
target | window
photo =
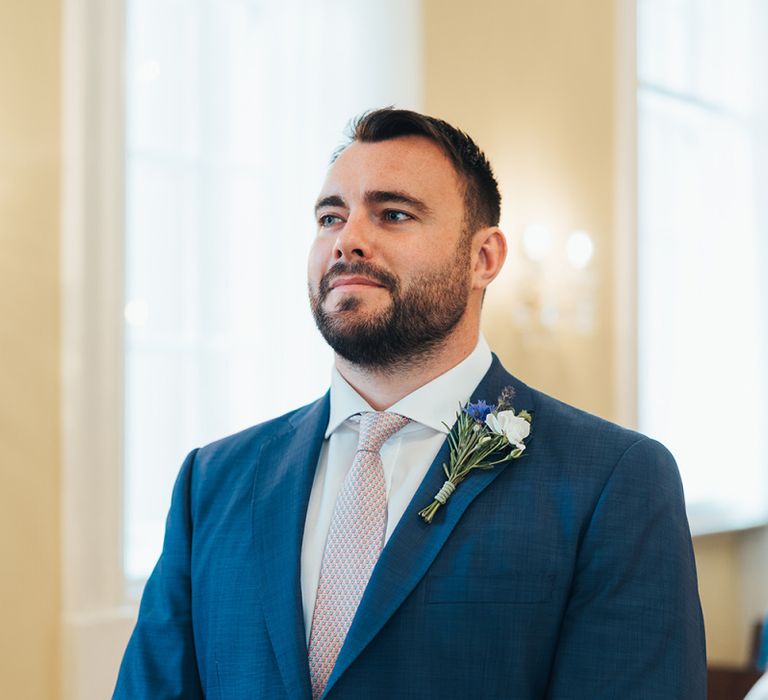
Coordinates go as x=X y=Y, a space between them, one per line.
x=233 y=109
x=703 y=250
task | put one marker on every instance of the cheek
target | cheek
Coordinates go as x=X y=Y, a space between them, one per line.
x=317 y=262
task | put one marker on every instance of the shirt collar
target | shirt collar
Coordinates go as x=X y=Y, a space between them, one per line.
x=431 y=405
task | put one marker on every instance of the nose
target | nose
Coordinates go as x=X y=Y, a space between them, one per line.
x=354 y=239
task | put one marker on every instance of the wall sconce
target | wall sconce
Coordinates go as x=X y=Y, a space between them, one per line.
x=554 y=284
x=579 y=249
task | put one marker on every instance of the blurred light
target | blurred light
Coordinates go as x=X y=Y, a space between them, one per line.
x=579 y=249
x=549 y=315
x=537 y=241
x=136 y=312
x=148 y=72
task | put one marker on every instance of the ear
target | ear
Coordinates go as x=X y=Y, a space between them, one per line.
x=489 y=247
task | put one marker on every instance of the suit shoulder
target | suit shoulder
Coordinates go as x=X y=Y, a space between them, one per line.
x=584 y=453
x=566 y=416
x=244 y=443
x=585 y=437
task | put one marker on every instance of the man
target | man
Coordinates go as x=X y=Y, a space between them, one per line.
x=296 y=563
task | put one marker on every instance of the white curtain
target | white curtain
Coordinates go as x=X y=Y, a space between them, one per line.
x=703 y=242
x=233 y=109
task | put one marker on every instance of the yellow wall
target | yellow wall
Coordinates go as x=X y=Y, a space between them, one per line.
x=733 y=582
x=534 y=82
x=29 y=348
x=717 y=561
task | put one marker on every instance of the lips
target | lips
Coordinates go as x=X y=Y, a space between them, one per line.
x=356 y=276
x=345 y=281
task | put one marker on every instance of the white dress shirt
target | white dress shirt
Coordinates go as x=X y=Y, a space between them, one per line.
x=406 y=456
x=759 y=690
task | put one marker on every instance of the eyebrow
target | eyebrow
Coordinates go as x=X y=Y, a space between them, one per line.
x=330 y=201
x=376 y=197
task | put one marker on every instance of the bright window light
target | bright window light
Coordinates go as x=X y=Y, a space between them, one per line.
x=232 y=111
x=703 y=250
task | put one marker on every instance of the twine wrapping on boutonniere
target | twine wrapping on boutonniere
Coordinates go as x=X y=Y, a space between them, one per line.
x=484 y=436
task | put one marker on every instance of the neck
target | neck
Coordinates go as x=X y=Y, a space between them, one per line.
x=383 y=387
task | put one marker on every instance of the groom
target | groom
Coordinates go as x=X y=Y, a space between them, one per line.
x=295 y=562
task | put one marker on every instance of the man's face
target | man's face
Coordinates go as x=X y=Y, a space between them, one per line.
x=389 y=270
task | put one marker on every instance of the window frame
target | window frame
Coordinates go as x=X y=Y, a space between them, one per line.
x=96 y=618
x=711 y=517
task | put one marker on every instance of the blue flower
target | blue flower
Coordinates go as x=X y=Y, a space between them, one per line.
x=478 y=411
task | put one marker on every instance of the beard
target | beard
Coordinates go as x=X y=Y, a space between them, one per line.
x=409 y=331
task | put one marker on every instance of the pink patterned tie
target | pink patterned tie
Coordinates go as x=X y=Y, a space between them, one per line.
x=353 y=546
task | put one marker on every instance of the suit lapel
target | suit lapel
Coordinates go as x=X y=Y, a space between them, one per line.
x=414 y=544
x=282 y=485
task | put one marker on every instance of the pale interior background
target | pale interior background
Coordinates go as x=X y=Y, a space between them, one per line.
x=532 y=80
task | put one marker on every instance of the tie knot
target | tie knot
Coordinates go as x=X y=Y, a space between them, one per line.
x=376 y=427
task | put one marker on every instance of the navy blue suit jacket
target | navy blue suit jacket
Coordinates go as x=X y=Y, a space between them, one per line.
x=568 y=573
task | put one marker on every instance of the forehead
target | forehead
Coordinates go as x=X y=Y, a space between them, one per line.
x=412 y=164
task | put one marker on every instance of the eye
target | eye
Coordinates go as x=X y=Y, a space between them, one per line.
x=395 y=216
x=327 y=220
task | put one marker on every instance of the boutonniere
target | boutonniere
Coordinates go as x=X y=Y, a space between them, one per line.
x=484 y=436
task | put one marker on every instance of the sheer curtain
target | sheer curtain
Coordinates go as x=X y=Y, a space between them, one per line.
x=233 y=108
x=703 y=227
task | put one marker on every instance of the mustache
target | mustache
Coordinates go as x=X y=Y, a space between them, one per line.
x=365 y=269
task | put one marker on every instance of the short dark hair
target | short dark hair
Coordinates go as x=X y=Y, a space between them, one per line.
x=482 y=200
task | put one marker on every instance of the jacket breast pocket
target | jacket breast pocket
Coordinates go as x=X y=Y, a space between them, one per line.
x=513 y=587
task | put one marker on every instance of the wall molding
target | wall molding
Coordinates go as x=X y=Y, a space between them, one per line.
x=625 y=213
x=95 y=622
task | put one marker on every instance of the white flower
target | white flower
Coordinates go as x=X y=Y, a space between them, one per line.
x=506 y=423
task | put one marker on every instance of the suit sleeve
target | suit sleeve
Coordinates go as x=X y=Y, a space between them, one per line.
x=159 y=662
x=633 y=626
